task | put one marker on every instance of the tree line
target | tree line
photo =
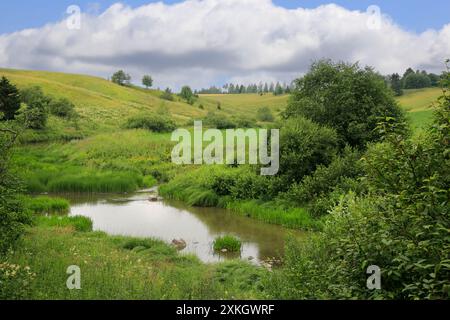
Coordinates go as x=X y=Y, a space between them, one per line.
x=413 y=80
x=261 y=88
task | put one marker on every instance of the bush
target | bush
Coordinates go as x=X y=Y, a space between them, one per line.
x=152 y=122
x=305 y=145
x=34 y=116
x=401 y=226
x=344 y=97
x=244 y=122
x=62 y=108
x=167 y=95
x=229 y=243
x=322 y=189
x=13 y=216
x=416 y=81
x=215 y=120
x=264 y=114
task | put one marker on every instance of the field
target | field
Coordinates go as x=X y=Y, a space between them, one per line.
x=418 y=104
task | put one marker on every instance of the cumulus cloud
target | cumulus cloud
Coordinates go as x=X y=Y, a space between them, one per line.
x=204 y=42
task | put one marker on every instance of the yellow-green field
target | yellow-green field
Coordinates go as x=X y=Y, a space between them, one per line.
x=245 y=104
x=418 y=103
x=103 y=105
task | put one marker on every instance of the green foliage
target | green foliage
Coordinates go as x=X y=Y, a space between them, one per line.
x=121 y=78
x=152 y=122
x=167 y=95
x=264 y=114
x=187 y=94
x=401 y=225
x=227 y=242
x=47 y=205
x=35 y=114
x=346 y=98
x=396 y=84
x=34 y=94
x=79 y=223
x=62 y=107
x=9 y=100
x=147 y=81
x=146 y=269
x=275 y=213
x=218 y=121
x=15 y=281
x=304 y=145
x=416 y=80
x=13 y=216
x=322 y=189
x=91 y=182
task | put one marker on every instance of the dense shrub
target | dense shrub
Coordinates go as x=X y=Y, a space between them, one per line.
x=9 y=100
x=13 y=216
x=167 y=95
x=62 y=108
x=416 y=80
x=346 y=98
x=322 y=189
x=215 y=120
x=244 y=122
x=264 y=114
x=401 y=226
x=153 y=122
x=304 y=145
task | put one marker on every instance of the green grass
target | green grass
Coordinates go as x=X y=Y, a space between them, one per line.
x=46 y=205
x=295 y=218
x=229 y=243
x=121 y=268
x=78 y=223
x=418 y=104
x=244 y=105
x=194 y=187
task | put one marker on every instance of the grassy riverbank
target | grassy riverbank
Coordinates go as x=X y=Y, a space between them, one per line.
x=119 y=267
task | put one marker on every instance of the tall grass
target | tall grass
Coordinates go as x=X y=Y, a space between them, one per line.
x=111 y=271
x=46 y=205
x=196 y=188
x=79 y=223
x=96 y=182
x=272 y=213
x=228 y=243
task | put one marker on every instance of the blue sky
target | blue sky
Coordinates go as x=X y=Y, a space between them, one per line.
x=412 y=15
x=217 y=41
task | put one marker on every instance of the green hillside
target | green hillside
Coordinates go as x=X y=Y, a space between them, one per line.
x=103 y=105
x=418 y=104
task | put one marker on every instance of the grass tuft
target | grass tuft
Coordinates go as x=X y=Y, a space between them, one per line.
x=229 y=243
x=79 y=223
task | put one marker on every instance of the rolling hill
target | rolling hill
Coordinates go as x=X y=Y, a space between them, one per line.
x=103 y=106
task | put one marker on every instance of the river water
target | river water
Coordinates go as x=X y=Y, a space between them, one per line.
x=136 y=216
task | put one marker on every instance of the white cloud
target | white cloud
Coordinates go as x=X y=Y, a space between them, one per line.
x=199 y=42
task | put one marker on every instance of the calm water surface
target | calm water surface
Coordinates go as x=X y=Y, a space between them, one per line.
x=134 y=215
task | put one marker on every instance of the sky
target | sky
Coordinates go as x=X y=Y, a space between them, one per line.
x=209 y=42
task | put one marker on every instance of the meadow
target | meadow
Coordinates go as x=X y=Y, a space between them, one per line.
x=117 y=267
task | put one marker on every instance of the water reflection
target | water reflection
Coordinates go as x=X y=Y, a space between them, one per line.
x=136 y=216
